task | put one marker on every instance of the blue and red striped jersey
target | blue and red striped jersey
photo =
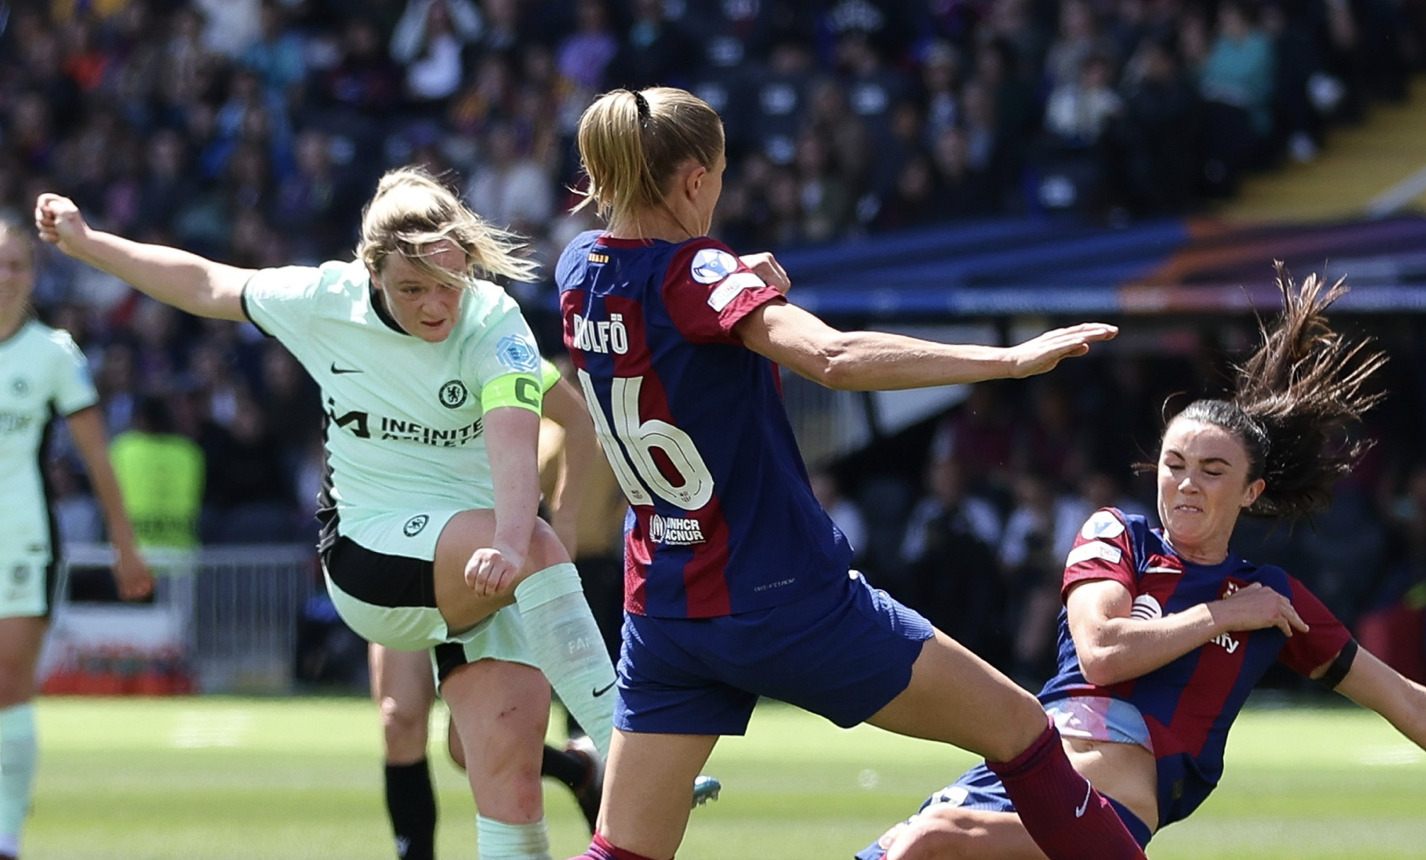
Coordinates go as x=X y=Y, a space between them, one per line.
x=1190 y=703
x=724 y=520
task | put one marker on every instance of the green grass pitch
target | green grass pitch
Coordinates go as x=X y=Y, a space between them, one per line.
x=216 y=778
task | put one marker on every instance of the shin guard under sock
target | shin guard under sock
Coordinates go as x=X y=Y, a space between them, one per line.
x=568 y=647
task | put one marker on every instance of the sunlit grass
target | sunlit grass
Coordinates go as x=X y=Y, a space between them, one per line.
x=301 y=778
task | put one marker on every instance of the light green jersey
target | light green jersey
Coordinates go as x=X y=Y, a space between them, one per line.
x=42 y=374
x=403 y=415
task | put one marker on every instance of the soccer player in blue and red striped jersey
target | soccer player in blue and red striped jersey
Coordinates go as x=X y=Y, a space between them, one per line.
x=1166 y=630
x=736 y=581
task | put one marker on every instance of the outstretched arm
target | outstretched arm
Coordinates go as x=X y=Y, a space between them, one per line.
x=131 y=575
x=187 y=281
x=1114 y=647
x=879 y=361
x=1373 y=684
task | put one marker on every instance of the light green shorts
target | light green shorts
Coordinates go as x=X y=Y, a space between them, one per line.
x=501 y=636
x=27 y=582
x=411 y=535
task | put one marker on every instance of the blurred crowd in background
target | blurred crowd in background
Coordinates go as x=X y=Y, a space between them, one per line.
x=254 y=129
x=253 y=132
x=969 y=516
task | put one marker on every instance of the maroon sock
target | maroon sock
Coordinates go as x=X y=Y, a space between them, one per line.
x=1066 y=817
x=602 y=849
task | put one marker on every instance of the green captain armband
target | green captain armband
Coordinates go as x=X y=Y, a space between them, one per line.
x=549 y=374
x=513 y=389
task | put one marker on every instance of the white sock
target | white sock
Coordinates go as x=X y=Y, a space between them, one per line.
x=18 y=754
x=568 y=647
x=496 y=840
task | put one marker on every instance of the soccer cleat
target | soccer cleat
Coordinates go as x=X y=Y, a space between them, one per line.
x=589 y=790
x=705 y=789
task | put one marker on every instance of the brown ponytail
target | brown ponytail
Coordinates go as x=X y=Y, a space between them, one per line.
x=1296 y=397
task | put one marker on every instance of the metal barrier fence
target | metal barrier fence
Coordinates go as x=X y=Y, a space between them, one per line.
x=827 y=423
x=230 y=613
x=831 y=424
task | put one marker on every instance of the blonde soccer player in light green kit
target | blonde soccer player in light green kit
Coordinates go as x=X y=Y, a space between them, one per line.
x=431 y=385
x=42 y=375
x=404 y=687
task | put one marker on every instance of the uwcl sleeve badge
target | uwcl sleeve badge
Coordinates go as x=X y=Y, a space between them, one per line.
x=517 y=354
x=1103 y=525
x=711 y=265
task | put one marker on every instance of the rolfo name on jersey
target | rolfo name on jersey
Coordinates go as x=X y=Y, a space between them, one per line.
x=601 y=336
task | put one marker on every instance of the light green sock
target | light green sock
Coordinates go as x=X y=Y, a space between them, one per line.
x=18 y=754
x=568 y=648
x=496 y=840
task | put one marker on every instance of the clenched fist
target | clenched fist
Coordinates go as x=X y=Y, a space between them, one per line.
x=59 y=222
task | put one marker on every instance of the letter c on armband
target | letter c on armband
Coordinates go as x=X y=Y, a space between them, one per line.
x=527 y=391
x=513 y=389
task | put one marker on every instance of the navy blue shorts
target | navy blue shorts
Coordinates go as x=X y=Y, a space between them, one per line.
x=978 y=788
x=843 y=652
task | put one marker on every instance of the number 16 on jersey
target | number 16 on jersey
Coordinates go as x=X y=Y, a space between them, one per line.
x=629 y=444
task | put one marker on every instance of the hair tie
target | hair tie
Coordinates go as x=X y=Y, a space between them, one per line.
x=642 y=105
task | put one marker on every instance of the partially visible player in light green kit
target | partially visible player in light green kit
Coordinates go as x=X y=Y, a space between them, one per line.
x=42 y=375
x=430 y=380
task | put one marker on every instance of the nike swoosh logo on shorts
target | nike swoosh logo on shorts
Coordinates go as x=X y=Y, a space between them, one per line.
x=600 y=692
x=341 y=370
x=1088 y=791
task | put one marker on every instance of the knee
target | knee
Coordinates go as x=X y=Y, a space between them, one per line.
x=545 y=547
x=404 y=727
x=944 y=836
x=512 y=743
x=454 y=745
x=520 y=728
x=1016 y=733
x=504 y=770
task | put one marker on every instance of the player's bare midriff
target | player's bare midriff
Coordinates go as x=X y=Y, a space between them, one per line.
x=1125 y=772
